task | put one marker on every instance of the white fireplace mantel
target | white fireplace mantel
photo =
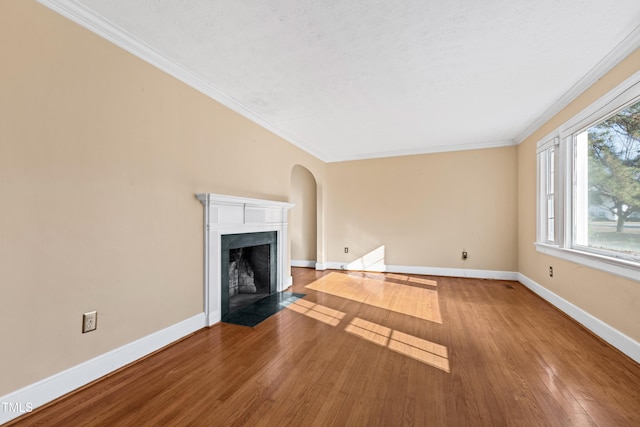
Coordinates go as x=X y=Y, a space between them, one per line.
x=235 y=215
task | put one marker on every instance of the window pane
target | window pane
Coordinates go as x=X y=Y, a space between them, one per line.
x=607 y=184
x=552 y=169
x=546 y=212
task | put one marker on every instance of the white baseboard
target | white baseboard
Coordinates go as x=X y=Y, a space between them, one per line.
x=625 y=344
x=427 y=271
x=35 y=395
x=302 y=263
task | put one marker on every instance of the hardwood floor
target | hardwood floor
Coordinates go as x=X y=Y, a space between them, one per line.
x=366 y=349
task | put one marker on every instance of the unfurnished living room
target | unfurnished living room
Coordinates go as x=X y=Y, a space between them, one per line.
x=294 y=213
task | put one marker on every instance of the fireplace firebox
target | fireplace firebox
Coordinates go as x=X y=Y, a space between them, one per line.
x=249 y=268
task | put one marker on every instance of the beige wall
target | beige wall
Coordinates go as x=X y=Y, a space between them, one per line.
x=100 y=157
x=613 y=300
x=426 y=209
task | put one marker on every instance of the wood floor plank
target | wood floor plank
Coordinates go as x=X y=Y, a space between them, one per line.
x=367 y=349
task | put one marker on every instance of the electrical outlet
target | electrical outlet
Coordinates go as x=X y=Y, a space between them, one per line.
x=550 y=271
x=89 y=321
x=464 y=255
x=346 y=250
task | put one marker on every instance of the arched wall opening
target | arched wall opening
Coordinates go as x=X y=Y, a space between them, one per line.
x=303 y=224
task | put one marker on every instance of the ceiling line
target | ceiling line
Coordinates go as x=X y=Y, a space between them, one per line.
x=104 y=28
x=116 y=35
x=623 y=49
x=426 y=150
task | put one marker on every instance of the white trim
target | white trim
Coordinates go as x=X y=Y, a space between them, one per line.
x=236 y=215
x=618 y=267
x=303 y=263
x=546 y=143
x=612 y=101
x=427 y=271
x=617 y=339
x=88 y=19
x=613 y=58
x=64 y=382
x=424 y=150
x=288 y=282
x=223 y=199
x=320 y=266
x=563 y=247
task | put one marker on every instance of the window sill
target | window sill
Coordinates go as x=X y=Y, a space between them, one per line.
x=623 y=268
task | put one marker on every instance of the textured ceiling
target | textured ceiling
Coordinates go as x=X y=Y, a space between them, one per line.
x=369 y=78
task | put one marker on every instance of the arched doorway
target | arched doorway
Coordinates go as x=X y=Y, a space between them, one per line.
x=303 y=224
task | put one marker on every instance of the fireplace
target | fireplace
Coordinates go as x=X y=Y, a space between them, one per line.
x=248 y=269
x=245 y=232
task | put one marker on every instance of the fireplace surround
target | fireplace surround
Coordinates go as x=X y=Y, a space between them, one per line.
x=231 y=216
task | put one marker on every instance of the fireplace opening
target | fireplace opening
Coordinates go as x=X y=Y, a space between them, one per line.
x=248 y=269
x=248 y=275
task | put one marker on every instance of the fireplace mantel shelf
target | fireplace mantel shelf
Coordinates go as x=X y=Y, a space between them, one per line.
x=235 y=200
x=236 y=215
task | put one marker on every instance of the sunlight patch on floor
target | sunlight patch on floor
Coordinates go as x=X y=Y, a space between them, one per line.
x=406 y=299
x=408 y=345
x=318 y=312
x=370 y=331
x=419 y=349
x=412 y=279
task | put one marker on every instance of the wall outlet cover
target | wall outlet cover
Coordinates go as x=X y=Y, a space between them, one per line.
x=89 y=321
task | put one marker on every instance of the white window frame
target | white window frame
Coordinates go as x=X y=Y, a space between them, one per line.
x=548 y=188
x=562 y=141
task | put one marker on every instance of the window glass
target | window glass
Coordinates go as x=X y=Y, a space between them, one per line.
x=550 y=191
x=606 y=185
x=546 y=215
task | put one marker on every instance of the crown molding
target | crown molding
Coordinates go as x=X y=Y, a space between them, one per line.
x=627 y=46
x=106 y=29
x=423 y=150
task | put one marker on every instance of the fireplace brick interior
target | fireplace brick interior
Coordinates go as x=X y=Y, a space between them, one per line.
x=249 y=269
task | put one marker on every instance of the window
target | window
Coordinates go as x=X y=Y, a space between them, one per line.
x=547 y=193
x=589 y=185
x=607 y=185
